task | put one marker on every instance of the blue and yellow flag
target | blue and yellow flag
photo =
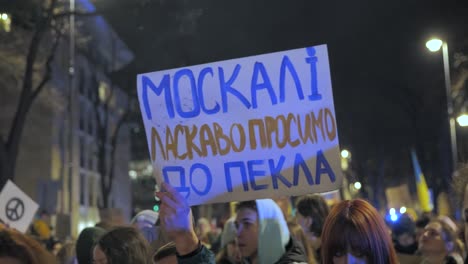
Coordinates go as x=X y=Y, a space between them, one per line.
x=421 y=186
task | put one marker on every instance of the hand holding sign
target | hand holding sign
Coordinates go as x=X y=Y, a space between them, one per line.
x=176 y=219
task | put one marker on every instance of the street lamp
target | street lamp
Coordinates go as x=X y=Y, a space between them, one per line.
x=463 y=120
x=345 y=154
x=434 y=45
x=357 y=185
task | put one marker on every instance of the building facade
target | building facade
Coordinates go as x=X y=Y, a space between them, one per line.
x=57 y=164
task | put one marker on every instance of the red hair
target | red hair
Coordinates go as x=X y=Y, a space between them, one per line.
x=355 y=226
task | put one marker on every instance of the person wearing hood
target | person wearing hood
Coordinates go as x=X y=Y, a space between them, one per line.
x=263 y=234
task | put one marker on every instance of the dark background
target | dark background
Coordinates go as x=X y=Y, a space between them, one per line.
x=388 y=88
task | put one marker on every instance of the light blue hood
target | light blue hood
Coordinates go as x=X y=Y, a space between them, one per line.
x=273 y=234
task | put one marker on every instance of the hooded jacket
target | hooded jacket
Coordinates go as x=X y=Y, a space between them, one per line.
x=275 y=244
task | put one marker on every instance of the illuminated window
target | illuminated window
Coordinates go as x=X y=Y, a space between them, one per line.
x=5 y=22
x=103 y=91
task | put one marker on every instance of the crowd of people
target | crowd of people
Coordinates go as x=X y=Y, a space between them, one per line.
x=351 y=231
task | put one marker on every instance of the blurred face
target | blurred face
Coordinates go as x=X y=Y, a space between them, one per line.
x=98 y=256
x=432 y=240
x=405 y=239
x=349 y=258
x=419 y=233
x=233 y=251
x=247 y=232
x=167 y=260
x=304 y=222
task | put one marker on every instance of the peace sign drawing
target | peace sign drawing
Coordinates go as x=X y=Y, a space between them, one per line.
x=17 y=209
x=14 y=209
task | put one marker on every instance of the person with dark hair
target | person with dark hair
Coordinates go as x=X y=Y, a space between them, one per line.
x=122 y=245
x=263 y=235
x=167 y=254
x=12 y=252
x=354 y=232
x=403 y=234
x=85 y=243
x=312 y=210
x=20 y=248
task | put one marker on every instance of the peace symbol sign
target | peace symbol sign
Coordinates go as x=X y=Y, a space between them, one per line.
x=14 y=209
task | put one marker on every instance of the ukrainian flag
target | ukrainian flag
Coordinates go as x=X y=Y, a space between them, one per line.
x=421 y=186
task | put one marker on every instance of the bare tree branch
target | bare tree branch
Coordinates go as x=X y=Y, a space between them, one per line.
x=76 y=13
x=48 y=72
x=25 y=103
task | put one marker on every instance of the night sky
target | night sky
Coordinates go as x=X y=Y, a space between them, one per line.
x=388 y=88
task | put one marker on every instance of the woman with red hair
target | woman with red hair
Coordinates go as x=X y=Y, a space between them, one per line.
x=354 y=232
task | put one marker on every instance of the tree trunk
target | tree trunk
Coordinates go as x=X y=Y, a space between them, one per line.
x=9 y=150
x=4 y=162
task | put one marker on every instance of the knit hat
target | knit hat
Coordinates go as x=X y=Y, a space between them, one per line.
x=42 y=229
x=84 y=245
x=146 y=216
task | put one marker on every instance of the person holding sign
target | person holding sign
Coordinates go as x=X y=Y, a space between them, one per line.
x=176 y=220
x=262 y=231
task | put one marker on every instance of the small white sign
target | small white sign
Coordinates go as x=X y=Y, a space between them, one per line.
x=16 y=208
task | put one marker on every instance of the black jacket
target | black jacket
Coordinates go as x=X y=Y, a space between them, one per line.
x=295 y=253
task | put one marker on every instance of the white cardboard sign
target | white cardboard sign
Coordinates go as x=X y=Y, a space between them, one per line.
x=248 y=128
x=16 y=208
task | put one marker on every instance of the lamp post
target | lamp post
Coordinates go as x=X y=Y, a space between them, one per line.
x=434 y=45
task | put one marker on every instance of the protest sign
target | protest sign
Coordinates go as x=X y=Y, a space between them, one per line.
x=17 y=210
x=248 y=128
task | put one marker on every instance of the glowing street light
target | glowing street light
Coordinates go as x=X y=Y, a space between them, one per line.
x=402 y=210
x=463 y=120
x=434 y=45
x=344 y=154
x=357 y=185
x=392 y=211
